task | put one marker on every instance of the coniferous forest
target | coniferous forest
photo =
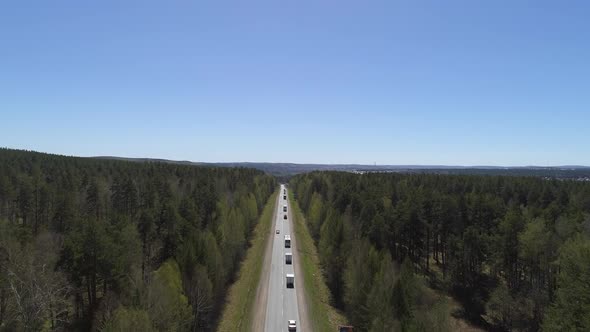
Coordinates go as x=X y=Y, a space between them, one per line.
x=112 y=245
x=91 y=244
x=514 y=251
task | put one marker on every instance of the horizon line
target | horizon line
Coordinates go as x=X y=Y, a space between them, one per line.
x=373 y=165
x=345 y=164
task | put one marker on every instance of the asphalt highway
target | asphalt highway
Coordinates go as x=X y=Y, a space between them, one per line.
x=282 y=301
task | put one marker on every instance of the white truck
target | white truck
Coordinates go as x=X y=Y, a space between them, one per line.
x=287 y=241
x=292 y=325
x=284 y=208
x=290 y=280
x=288 y=258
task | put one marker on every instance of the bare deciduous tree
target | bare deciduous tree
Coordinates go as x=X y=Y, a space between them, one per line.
x=36 y=291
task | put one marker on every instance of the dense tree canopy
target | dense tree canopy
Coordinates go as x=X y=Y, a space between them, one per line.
x=514 y=250
x=90 y=244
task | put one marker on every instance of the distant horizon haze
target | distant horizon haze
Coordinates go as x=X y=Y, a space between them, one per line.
x=409 y=165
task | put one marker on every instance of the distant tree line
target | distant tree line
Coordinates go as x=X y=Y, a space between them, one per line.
x=107 y=245
x=514 y=250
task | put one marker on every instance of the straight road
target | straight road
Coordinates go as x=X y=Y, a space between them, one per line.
x=281 y=305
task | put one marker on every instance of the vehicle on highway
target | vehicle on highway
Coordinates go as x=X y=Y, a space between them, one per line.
x=290 y=280
x=278 y=231
x=287 y=241
x=285 y=197
x=292 y=325
x=285 y=217
x=284 y=208
x=288 y=258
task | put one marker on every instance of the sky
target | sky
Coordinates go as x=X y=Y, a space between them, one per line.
x=503 y=82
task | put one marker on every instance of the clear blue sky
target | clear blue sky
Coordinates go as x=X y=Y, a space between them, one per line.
x=393 y=82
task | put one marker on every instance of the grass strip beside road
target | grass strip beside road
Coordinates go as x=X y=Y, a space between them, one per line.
x=323 y=316
x=237 y=315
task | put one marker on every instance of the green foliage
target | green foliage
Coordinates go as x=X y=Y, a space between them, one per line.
x=112 y=224
x=435 y=319
x=571 y=308
x=507 y=310
x=380 y=298
x=534 y=240
x=361 y=267
x=407 y=293
x=492 y=242
x=315 y=215
x=500 y=306
x=322 y=314
x=331 y=257
x=167 y=305
x=132 y=320
x=237 y=314
x=509 y=229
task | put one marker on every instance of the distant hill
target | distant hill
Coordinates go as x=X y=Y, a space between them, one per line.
x=289 y=169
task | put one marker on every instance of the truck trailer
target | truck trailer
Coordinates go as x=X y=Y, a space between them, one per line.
x=288 y=258
x=290 y=280
x=287 y=241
